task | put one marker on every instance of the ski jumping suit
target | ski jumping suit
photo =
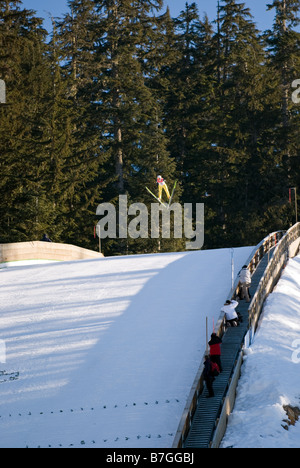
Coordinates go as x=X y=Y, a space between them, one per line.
x=162 y=185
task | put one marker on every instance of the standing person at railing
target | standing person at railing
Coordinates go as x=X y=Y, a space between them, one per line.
x=245 y=280
x=208 y=377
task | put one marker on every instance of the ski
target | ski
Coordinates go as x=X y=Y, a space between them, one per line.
x=156 y=198
x=172 y=194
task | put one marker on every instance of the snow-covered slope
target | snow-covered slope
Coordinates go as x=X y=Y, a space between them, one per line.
x=103 y=353
x=271 y=373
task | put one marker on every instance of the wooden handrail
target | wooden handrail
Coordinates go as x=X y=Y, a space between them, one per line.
x=263 y=248
x=272 y=274
x=287 y=247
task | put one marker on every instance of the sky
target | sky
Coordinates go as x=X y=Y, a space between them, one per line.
x=47 y=8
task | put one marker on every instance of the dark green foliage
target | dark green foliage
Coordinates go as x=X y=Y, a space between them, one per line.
x=122 y=92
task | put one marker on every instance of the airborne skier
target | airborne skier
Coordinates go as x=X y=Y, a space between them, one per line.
x=162 y=185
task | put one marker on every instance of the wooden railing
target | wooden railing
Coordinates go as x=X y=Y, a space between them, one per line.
x=286 y=248
x=261 y=250
x=287 y=245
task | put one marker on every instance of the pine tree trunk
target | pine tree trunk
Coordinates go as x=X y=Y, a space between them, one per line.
x=119 y=159
x=116 y=101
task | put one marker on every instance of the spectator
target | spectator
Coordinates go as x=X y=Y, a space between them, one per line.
x=45 y=238
x=215 y=350
x=231 y=316
x=208 y=377
x=245 y=280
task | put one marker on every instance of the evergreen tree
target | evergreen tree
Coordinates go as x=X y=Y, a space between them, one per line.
x=76 y=140
x=186 y=87
x=283 y=69
x=236 y=128
x=22 y=65
x=126 y=110
x=122 y=93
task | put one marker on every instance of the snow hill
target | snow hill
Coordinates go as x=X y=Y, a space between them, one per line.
x=270 y=374
x=103 y=353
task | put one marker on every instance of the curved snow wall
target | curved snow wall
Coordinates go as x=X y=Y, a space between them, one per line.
x=38 y=250
x=286 y=246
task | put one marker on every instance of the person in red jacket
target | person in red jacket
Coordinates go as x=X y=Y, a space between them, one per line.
x=215 y=350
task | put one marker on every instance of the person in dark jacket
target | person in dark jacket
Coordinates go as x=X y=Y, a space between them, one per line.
x=215 y=350
x=45 y=238
x=208 y=377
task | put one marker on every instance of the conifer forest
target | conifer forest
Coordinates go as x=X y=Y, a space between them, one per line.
x=119 y=92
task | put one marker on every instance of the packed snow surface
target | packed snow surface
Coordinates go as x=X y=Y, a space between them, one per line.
x=103 y=353
x=271 y=373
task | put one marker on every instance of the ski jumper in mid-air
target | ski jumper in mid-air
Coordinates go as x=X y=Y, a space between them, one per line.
x=162 y=186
